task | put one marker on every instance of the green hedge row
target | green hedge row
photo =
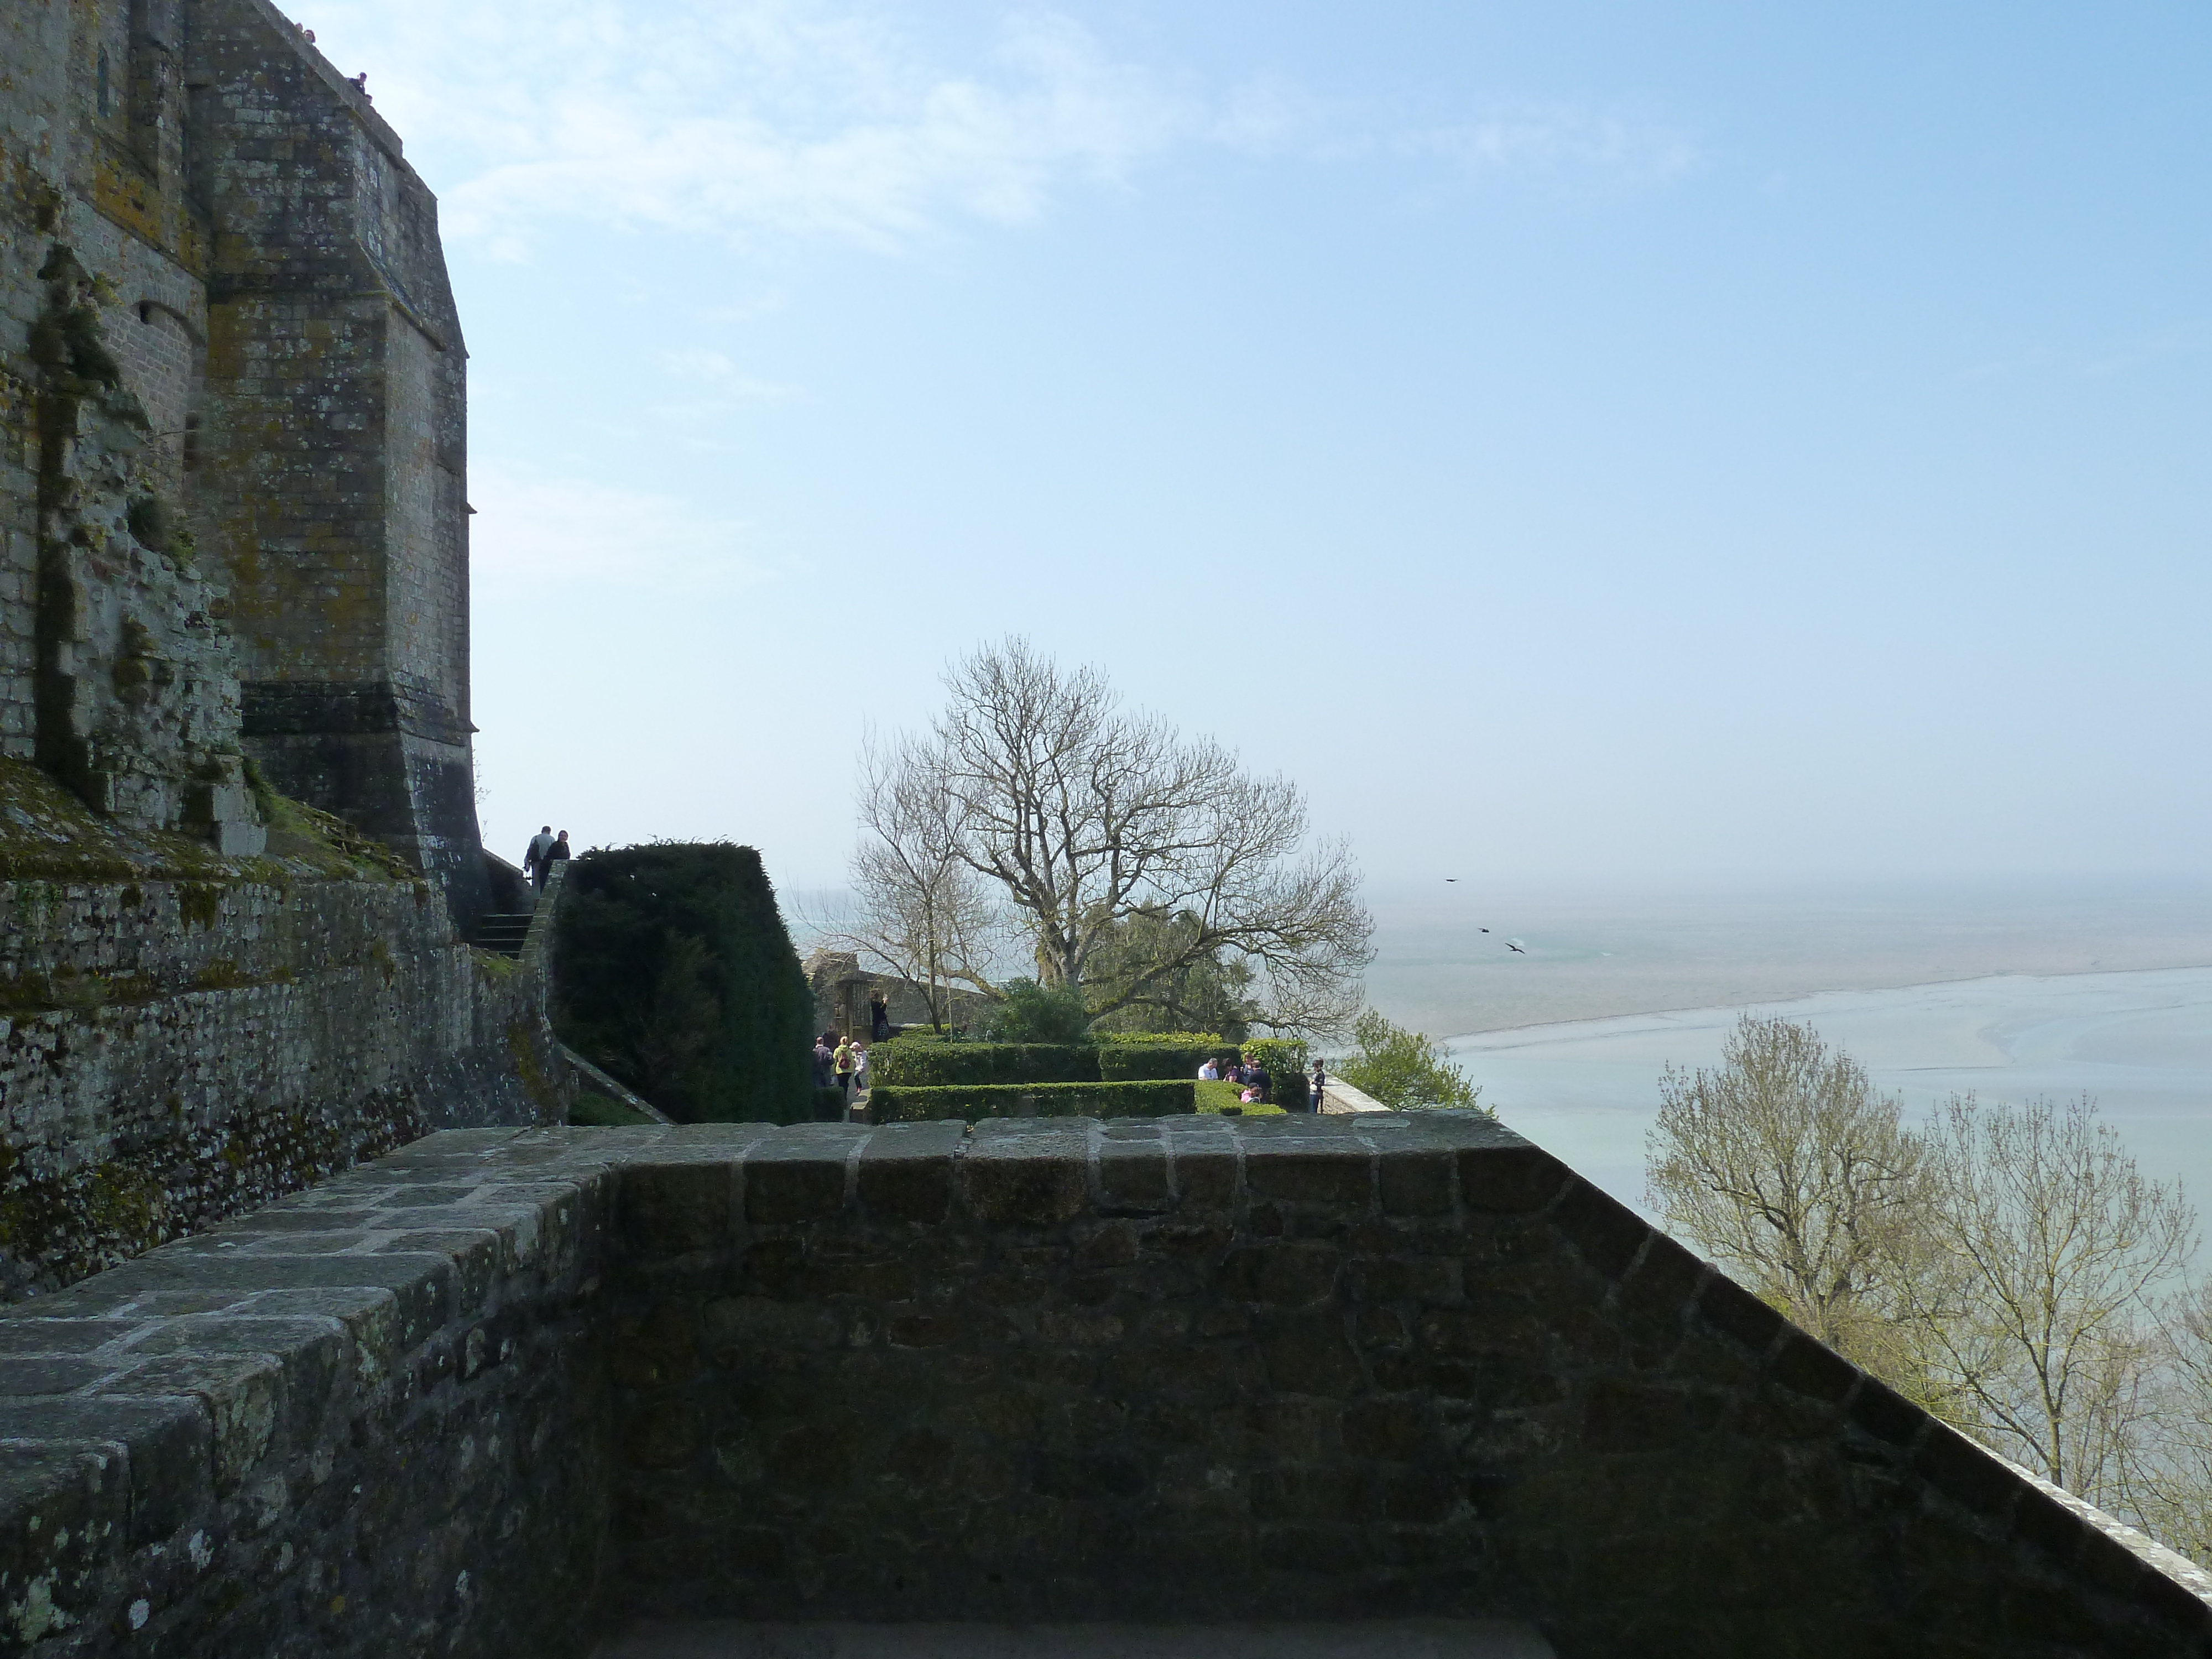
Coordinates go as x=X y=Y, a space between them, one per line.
x=675 y=973
x=1122 y=1062
x=913 y=1062
x=888 y=1104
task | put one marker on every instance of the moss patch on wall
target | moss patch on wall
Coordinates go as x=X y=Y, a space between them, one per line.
x=46 y=834
x=536 y=1083
x=67 y=987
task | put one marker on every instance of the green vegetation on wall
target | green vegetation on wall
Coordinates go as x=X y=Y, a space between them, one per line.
x=975 y=1101
x=919 y=1062
x=677 y=975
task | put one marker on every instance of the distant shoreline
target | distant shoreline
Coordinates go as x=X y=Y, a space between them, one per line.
x=1821 y=991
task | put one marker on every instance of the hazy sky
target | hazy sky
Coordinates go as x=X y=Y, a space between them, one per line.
x=1695 y=441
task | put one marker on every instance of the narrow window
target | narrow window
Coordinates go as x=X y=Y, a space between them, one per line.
x=103 y=80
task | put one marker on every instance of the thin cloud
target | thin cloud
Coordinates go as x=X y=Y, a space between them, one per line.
x=716 y=370
x=1561 y=139
x=794 y=119
x=770 y=121
x=532 y=529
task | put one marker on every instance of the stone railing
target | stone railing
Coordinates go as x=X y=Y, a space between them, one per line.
x=503 y=1390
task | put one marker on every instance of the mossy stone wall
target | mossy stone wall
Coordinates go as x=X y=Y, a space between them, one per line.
x=184 y=1035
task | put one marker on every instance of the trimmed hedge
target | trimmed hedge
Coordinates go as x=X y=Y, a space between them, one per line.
x=1122 y=1062
x=975 y=1101
x=674 y=972
x=918 y=1063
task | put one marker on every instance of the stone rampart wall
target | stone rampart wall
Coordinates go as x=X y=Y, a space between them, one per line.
x=219 y=1046
x=183 y=1036
x=1182 y=1371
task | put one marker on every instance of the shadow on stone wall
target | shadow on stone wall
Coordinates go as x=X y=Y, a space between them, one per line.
x=504 y=1390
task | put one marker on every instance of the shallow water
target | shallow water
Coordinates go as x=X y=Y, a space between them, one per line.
x=2140 y=1042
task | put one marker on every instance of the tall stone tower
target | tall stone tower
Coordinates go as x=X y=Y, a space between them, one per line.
x=233 y=435
x=333 y=453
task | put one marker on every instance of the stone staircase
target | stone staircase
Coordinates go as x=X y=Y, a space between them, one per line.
x=503 y=931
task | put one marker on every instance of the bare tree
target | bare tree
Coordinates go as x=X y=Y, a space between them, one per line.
x=1789 y=1168
x=921 y=910
x=2169 y=1472
x=2058 y=1245
x=1081 y=817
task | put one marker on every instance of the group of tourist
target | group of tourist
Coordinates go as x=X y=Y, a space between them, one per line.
x=1251 y=1077
x=839 y=1063
x=1256 y=1084
x=546 y=850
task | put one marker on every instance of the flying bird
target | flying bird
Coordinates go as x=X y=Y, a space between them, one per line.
x=1449 y=879
x=1511 y=945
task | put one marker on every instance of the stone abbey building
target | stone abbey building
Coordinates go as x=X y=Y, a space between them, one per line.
x=232 y=491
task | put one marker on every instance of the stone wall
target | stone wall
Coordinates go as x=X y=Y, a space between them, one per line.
x=183 y=1036
x=264 y=1443
x=113 y=670
x=1185 y=1370
x=841 y=989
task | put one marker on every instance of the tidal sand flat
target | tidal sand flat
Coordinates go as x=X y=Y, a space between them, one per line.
x=1593 y=952
x=2141 y=1043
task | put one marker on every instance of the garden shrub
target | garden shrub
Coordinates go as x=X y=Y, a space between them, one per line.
x=677 y=975
x=920 y=1063
x=1404 y=1069
x=1030 y=1012
x=1156 y=1098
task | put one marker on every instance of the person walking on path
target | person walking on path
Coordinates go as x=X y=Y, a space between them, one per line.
x=859 y=1069
x=1320 y=1083
x=533 y=861
x=823 y=1058
x=556 y=853
x=842 y=1063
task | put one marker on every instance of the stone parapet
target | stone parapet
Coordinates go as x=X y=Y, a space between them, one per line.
x=1391 y=1366
x=366 y=1423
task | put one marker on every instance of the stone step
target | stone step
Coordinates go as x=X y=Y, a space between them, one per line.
x=503 y=932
